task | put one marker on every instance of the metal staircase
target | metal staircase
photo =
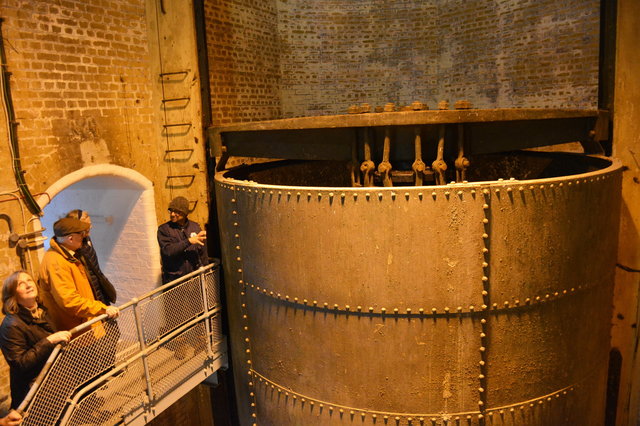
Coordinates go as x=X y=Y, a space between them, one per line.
x=128 y=370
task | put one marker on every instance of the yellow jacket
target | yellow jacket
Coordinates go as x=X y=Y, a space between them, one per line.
x=65 y=289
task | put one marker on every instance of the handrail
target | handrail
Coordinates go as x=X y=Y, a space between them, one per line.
x=90 y=386
x=85 y=325
x=165 y=319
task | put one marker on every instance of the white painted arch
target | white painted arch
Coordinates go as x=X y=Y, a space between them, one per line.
x=121 y=203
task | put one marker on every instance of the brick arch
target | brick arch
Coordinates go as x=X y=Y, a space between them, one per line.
x=121 y=203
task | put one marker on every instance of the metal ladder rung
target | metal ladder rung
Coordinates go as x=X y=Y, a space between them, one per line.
x=178 y=150
x=176 y=99
x=176 y=125
x=163 y=74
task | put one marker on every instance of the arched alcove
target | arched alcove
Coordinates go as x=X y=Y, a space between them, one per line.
x=121 y=204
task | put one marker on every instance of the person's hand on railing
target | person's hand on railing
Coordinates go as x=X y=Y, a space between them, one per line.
x=112 y=312
x=12 y=419
x=59 y=337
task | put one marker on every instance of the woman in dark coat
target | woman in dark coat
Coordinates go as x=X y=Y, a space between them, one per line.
x=26 y=336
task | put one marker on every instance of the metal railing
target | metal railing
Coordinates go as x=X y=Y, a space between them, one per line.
x=129 y=369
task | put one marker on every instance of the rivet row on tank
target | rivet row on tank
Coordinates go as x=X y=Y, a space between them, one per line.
x=421 y=311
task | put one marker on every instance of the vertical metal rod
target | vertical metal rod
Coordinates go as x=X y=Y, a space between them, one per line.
x=355 y=175
x=439 y=165
x=367 y=167
x=418 y=165
x=143 y=345
x=384 y=168
x=207 y=319
x=461 y=163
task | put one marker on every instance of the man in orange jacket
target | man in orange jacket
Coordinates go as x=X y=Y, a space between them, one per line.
x=66 y=291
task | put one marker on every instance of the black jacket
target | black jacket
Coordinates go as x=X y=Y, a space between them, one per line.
x=26 y=349
x=179 y=256
x=102 y=288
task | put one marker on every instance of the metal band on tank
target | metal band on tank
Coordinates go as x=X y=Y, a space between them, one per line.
x=360 y=414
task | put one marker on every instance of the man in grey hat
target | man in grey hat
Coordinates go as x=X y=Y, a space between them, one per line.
x=182 y=242
x=66 y=291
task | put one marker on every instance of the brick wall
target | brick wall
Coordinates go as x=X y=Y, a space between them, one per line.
x=335 y=53
x=243 y=54
x=81 y=90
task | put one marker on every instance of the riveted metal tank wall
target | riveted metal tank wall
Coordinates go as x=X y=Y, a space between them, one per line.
x=485 y=302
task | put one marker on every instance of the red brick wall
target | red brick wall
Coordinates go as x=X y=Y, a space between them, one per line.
x=243 y=53
x=81 y=90
x=80 y=74
x=334 y=53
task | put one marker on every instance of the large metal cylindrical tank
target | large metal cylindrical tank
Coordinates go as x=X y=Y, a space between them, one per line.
x=484 y=302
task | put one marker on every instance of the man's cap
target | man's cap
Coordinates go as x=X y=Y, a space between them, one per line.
x=69 y=225
x=180 y=204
